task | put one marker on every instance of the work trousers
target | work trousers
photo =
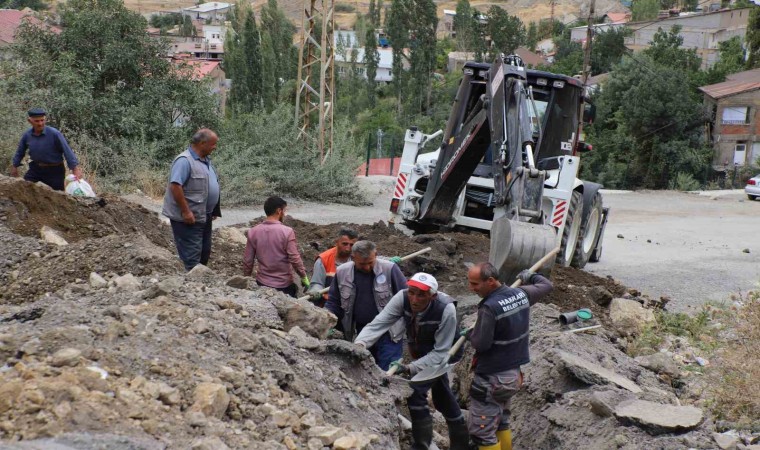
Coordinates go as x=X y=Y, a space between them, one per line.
x=385 y=351
x=443 y=400
x=490 y=398
x=53 y=176
x=291 y=290
x=193 y=242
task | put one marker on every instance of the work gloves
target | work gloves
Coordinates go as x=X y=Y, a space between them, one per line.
x=525 y=276
x=305 y=281
x=466 y=332
x=315 y=297
x=395 y=260
x=403 y=369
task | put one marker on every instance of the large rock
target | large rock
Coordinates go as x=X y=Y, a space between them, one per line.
x=591 y=373
x=601 y=295
x=232 y=235
x=127 y=283
x=52 y=236
x=66 y=357
x=209 y=443
x=238 y=282
x=211 y=399
x=96 y=281
x=311 y=319
x=200 y=271
x=726 y=441
x=661 y=362
x=657 y=418
x=327 y=434
x=629 y=317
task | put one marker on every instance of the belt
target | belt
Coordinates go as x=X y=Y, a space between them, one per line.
x=41 y=164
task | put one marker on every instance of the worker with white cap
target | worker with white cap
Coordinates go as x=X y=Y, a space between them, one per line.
x=431 y=329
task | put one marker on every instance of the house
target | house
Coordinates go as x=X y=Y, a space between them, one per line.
x=208 y=44
x=616 y=17
x=734 y=126
x=531 y=60
x=213 y=11
x=702 y=32
x=345 y=62
x=10 y=20
x=578 y=34
x=203 y=70
x=445 y=27
x=594 y=84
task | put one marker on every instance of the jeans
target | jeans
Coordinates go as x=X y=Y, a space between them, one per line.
x=385 y=351
x=443 y=400
x=291 y=290
x=52 y=176
x=193 y=242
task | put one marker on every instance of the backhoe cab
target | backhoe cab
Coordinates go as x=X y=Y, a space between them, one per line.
x=507 y=164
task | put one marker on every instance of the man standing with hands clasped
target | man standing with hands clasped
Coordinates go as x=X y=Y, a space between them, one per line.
x=500 y=339
x=47 y=150
x=191 y=200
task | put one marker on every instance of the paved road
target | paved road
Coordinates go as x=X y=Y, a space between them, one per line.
x=695 y=254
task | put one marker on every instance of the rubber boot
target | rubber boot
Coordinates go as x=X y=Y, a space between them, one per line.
x=505 y=439
x=459 y=437
x=422 y=433
x=489 y=447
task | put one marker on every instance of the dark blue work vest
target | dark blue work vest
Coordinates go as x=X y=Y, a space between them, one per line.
x=511 y=308
x=421 y=340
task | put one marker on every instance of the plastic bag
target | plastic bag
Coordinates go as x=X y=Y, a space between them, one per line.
x=78 y=188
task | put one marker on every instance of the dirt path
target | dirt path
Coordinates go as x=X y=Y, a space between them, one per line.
x=695 y=254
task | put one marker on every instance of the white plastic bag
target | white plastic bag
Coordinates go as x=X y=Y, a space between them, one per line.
x=78 y=188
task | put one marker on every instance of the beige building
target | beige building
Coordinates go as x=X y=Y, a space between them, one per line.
x=734 y=129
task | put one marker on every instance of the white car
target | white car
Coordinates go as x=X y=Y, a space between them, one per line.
x=753 y=187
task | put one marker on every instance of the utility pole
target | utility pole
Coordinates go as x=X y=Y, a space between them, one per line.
x=316 y=101
x=586 y=70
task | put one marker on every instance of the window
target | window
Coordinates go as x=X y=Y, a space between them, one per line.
x=740 y=154
x=341 y=70
x=735 y=115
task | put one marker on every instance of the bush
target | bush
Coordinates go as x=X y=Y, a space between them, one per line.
x=261 y=154
x=344 y=8
x=684 y=182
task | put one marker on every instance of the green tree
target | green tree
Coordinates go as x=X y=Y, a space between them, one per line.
x=248 y=96
x=531 y=38
x=465 y=26
x=187 y=29
x=507 y=32
x=103 y=77
x=269 y=82
x=753 y=38
x=37 y=5
x=646 y=132
x=607 y=49
x=398 y=34
x=645 y=10
x=665 y=49
x=275 y=23
x=374 y=14
x=371 y=60
x=423 y=22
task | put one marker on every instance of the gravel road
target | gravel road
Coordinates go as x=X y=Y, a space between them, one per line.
x=687 y=246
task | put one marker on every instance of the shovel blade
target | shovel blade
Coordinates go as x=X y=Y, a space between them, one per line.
x=515 y=246
x=431 y=373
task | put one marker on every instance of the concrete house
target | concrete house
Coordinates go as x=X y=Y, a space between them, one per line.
x=734 y=128
x=344 y=64
x=214 y=11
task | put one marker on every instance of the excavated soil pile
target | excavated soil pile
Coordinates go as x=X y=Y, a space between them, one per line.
x=105 y=342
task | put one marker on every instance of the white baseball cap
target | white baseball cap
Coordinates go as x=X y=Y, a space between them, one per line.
x=424 y=281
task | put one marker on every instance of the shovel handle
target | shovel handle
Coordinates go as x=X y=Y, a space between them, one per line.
x=394 y=368
x=403 y=258
x=517 y=283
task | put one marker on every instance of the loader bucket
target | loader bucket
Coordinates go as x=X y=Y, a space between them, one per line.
x=515 y=246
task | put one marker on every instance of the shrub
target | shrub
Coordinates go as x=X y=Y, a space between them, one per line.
x=684 y=182
x=344 y=8
x=261 y=154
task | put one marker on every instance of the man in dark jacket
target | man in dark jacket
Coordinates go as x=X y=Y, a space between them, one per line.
x=431 y=328
x=500 y=340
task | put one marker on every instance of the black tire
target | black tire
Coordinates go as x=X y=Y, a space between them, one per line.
x=751 y=197
x=589 y=233
x=572 y=230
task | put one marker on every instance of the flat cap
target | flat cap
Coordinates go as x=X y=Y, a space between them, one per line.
x=35 y=112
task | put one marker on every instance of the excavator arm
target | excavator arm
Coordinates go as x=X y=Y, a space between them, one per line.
x=491 y=121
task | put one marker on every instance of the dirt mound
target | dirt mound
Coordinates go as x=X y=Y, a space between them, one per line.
x=179 y=361
x=25 y=208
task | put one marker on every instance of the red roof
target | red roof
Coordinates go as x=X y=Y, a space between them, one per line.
x=729 y=88
x=201 y=68
x=10 y=19
x=619 y=17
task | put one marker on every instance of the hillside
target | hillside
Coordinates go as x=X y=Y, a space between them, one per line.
x=527 y=10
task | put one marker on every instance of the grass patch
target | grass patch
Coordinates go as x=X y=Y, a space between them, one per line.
x=735 y=387
x=344 y=8
x=695 y=328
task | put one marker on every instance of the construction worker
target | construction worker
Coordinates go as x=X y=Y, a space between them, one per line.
x=500 y=341
x=328 y=261
x=273 y=245
x=360 y=290
x=430 y=318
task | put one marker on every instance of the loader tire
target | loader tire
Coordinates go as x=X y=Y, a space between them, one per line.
x=572 y=230
x=589 y=233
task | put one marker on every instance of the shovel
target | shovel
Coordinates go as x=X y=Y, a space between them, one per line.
x=431 y=373
x=403 y=258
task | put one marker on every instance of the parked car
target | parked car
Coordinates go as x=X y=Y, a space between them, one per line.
x=752 y=189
